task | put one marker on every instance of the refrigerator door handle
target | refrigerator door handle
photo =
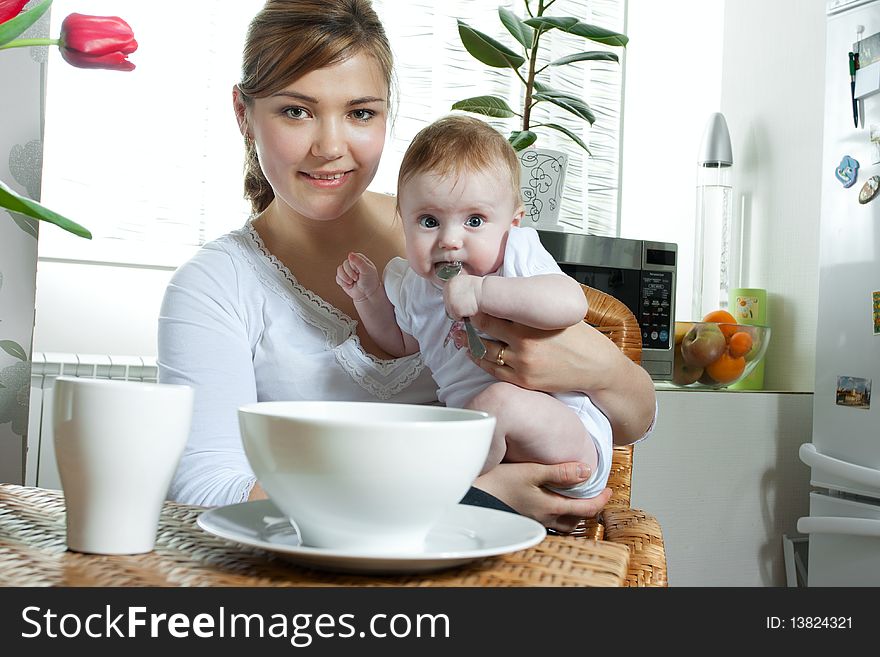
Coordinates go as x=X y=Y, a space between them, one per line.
x=833 y=525
x=857 y=473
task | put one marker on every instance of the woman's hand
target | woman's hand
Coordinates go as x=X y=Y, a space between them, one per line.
x=553 y=361
x=522 y=487
x=576 y=358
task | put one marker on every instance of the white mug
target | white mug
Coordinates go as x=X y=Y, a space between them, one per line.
x=117 y=444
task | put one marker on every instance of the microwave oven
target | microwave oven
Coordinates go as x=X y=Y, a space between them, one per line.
x=640 y=273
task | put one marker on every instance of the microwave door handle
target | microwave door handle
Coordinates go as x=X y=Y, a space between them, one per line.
x=832 y=525
x=857 y=473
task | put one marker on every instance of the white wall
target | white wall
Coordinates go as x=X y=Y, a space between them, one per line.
x=773 y=97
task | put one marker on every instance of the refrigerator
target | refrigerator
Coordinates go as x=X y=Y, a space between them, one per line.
x=843 y=527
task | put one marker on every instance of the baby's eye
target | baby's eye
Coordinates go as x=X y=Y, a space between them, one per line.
x=474 y=221
x=295 y=112
x=428 y=222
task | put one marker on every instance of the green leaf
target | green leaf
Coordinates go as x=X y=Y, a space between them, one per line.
x=487 y=106
x=598 y=34
x=568 y=133
x=519 y=30
x=13 y=349
x=546 y=90
x=15 y=26
x=571 y=104
x=27 y=224
x=545 y=23
x=12 y=201
x=574 y=26
x=593 y=55
x=488 y=50
x=520 y=139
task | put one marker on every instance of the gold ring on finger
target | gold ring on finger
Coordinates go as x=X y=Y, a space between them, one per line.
x=499 y=359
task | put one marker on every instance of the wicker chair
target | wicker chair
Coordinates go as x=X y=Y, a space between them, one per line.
x=618 y=522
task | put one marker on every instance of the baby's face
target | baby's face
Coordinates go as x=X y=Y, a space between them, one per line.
x=457 y=219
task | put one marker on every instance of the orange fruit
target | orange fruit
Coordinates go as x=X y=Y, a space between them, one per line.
x=722 y=317
x=727 y=368
x=740 y=344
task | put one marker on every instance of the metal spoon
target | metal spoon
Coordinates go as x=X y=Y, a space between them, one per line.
x=475 y=345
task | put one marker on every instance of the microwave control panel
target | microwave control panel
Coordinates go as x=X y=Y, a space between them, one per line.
x=655 y=309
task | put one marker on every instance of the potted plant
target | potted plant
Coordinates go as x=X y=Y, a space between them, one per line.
x=529 y=68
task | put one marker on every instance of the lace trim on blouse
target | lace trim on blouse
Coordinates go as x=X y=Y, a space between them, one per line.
x=382 y=378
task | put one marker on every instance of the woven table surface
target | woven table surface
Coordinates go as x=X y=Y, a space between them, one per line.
x=33 y=552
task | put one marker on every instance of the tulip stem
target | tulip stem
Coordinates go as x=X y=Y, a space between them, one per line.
x=24 y=43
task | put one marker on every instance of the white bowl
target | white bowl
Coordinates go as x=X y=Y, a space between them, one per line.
x=364 y=476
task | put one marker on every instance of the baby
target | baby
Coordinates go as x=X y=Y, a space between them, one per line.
x=458 y=197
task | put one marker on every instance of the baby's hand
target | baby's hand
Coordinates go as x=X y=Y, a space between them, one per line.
x=462 y=295
x=358 y=277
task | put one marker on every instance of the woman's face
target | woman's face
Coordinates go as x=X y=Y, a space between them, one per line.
x=320 y=139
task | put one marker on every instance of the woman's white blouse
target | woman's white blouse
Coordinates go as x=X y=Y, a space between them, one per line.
x=237 y=327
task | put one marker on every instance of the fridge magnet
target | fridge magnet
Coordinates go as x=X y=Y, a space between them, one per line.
x=874 y=132
x=875 y=300
x=847 y=171
x=869 y=189
x=854 y=392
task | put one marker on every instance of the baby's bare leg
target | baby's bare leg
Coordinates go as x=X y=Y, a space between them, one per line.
x=533 y=427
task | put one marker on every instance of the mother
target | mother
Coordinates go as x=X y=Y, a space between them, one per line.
x=257 y=315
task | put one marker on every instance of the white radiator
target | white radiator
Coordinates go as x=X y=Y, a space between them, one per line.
x=41 y=469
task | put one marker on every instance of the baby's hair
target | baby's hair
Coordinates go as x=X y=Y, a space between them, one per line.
x=457 y=144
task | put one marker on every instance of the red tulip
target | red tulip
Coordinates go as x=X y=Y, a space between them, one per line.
x=10 y=9
x=97 y=42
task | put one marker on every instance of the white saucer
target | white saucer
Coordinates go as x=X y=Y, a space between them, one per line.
x=464 y=533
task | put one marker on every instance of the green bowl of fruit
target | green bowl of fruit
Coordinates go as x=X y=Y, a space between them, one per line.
x=715 y=354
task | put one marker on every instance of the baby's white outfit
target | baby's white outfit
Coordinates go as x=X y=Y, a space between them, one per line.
x=420 y=312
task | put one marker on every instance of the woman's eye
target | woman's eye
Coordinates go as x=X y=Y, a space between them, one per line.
x=474 y=222
x=295 y=112
x=363 y=114
x=428 y=222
